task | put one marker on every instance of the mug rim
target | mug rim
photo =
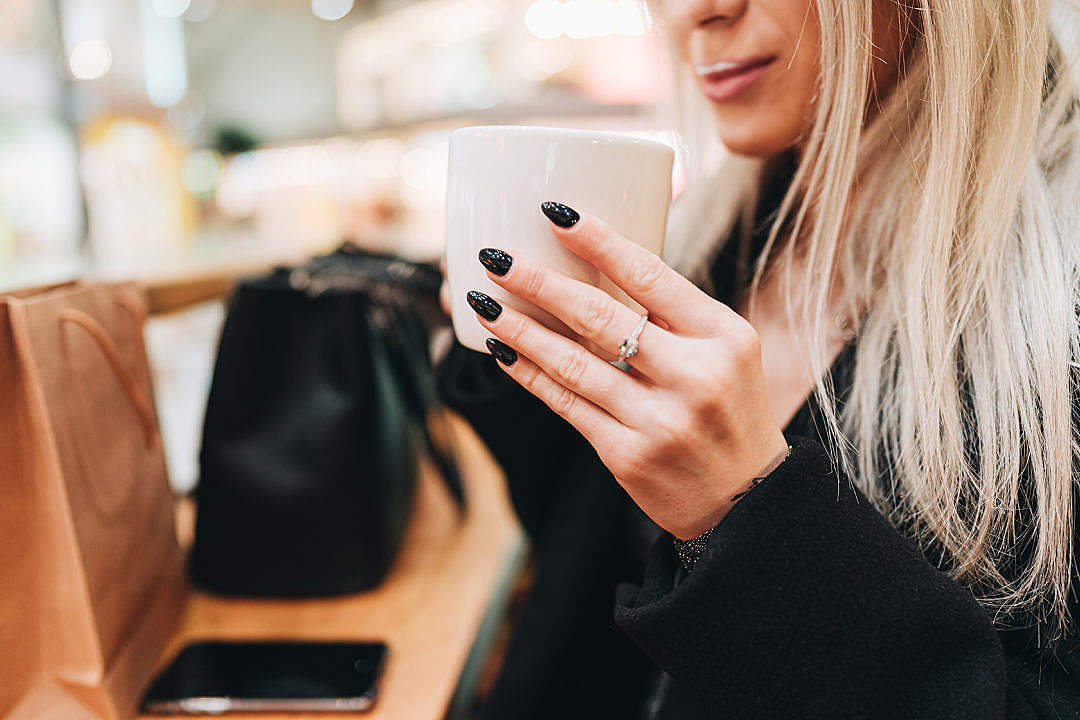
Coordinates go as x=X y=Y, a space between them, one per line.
x=607 y=135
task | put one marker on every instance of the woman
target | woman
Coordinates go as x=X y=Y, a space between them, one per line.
x=712 y=542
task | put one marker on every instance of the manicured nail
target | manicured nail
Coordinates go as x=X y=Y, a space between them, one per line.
x=496 y=261
x=484 y=305
x=502 y=352
x=559 y=214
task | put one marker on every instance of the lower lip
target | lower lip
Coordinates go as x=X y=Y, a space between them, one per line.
x=733 y=86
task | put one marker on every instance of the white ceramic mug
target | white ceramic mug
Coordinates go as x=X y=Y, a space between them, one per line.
x=499 y=175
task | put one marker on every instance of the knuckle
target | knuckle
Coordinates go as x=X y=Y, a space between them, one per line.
x=672 y=429
x=563 y=401
x=745 y=343
x=531 y=280
x=596 y=315
x=516 y=329
x=633 y=463
x=529 y=376
x=571 y=367
x=646 y=272
x=644 y=463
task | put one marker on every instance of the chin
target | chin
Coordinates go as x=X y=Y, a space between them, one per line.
x=756 y=137
x=758 y=145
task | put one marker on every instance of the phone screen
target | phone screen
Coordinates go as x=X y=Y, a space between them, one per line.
x=216 y=677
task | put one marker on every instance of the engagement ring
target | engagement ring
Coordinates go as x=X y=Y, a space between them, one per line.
x=629 y=347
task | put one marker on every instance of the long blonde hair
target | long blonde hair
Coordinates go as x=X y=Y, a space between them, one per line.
x=953 y=211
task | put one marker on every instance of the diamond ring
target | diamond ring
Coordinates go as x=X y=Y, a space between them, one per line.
x=629 y=346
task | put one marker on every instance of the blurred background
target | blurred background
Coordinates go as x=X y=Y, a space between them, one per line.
x=157 y=139
x=152 y=136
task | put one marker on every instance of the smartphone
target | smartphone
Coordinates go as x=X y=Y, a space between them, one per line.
x=210 y=678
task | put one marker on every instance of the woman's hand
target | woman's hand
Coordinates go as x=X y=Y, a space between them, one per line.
x=691 y=426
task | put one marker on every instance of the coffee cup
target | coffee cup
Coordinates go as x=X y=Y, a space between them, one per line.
x=499 y=175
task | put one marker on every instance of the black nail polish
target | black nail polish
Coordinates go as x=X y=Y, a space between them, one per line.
x=496 y=261
x=559 y=214
x=484 y=305
x=502 y=352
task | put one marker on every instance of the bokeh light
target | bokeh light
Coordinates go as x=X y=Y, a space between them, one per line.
x=544 y=18
x=331 y=9
x=199 y=172
x=90 y=60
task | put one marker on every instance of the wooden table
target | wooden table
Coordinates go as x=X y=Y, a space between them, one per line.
x=446 y=591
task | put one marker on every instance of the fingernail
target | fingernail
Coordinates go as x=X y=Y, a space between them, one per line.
x=484 y=305
x=496 y=261
x=559 y=214
x=502 y=352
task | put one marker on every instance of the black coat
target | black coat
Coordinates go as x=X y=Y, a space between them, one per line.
x=806 y=604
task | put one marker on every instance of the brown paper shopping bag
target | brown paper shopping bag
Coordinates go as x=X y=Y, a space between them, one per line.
x=91 y=580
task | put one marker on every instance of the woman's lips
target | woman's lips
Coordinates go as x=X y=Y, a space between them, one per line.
x=727 y=79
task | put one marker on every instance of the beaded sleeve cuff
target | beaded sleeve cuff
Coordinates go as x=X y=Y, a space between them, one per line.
x=690 y=550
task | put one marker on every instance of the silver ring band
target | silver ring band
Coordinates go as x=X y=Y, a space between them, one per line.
x=629 y=347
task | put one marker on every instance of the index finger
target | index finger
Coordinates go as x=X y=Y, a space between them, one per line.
x=641 y=274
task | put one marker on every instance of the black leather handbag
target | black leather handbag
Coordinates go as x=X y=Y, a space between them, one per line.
x=319 y=408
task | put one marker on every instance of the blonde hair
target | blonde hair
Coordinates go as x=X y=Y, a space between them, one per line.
x=952 y=211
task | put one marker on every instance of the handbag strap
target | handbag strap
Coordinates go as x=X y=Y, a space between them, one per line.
x=394 y=289
x=134 y=393
x=410 y=345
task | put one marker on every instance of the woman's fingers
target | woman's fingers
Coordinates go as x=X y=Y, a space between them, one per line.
x=563 y=360
x=592 y=422
x=640 y=273
x=588 y=311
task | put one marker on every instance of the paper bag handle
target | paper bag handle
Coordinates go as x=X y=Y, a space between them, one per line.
x=108 y=348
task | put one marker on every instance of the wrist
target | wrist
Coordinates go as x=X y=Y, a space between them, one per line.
x=729 y=495
x=689 y=549
x=780 y=453
x=778 y=460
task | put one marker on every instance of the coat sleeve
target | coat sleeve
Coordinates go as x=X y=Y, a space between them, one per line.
x=807 y=603
x=535 y=447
